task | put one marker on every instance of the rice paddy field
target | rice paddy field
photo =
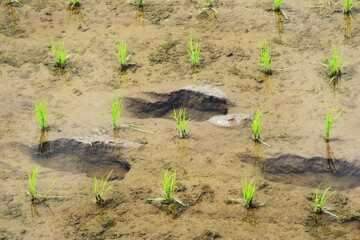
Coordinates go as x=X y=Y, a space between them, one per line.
x=288 y=163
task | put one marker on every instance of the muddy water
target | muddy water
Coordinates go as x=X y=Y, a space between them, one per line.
x=211 y=161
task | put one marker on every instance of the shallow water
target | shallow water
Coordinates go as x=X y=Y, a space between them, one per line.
x=210 y=162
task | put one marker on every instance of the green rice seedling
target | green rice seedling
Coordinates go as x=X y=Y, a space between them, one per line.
x=265 y=61
x=33 y=194
x=116 y=109
x=277 y=5
x=194 y=52
x=100 y=188
x=42 y=114
x=257 y=123
x=121 y=54
x=59 y=53
x=348 y=4
x=74 y=3
x=330 y=121
x=320 y=202
x=335 y=64
x=169 y=189
x=248 y=192
x=181 y=122
x=13 y=1
x=140 y=3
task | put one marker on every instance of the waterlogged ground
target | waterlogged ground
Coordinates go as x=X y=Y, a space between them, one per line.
x=211 y=161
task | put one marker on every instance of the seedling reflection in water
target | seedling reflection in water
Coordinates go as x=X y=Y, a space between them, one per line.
x=194 y=52
x=335 y=65
x=330 y=121
x=42 y=114
x=320 y=202
x=116 y=109
x=33 y=194
x=169 y=190
x=248 y=192
x=100 y=188
x=181 y=122
x=265 y=61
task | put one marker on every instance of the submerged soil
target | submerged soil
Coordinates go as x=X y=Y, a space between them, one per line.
x=212 y=160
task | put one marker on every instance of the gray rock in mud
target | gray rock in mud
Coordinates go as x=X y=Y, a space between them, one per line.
x=201 y=102
x=94 y=156
x=230 y=120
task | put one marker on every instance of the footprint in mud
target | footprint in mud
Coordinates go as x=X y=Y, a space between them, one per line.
x=91 y=156
x=297 y=170
x=201 y=103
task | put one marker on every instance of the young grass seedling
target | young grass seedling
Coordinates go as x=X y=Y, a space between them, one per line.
x=330 y=121
x=59 y=53
x=248 y=192
x=181 y=122
x=277 y=5
x=140 y=3
x=208 y=5
x=42 y=114
x=348 y=4
x=74 y=3
x=169 y=190
x=257 y=123
x=13 y=1
x=100 y=188
x=33 y=194
x=194 y=52
x=121 y=54
x=116 y=109
x=320 y=202
x=265 y=61
x=335 y=64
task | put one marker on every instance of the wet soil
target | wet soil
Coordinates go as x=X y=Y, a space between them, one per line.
x=210 y=163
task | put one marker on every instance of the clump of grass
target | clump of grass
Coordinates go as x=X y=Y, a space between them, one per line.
x=116 y=109
x=121 y=54
x=74 y=3
x=140 y=3
x=33 y=194
x=100 y=188
x=194 y=52
x=42 y=114
x=59 y=53
x=277 y=5
x=13 y=1
x=320 y=202
x=330 y=121
x=169 y=189
x=265 y=60
x=181 y=122
x=248 y=192
x=257 y=123
x=335 y=65
x=348 y=4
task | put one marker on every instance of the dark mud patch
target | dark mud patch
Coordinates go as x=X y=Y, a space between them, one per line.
x=95 y=158
x=201 y=103
x=297 y=170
